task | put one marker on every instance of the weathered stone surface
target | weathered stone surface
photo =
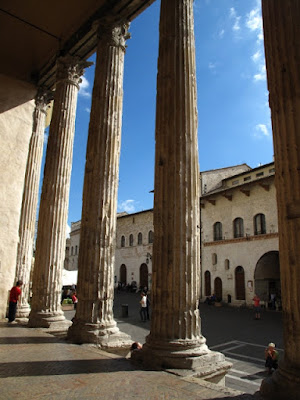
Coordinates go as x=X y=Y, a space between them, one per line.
x=94 y=321
x=16 y=109
x=50 y=247
x=30 y=200
x=175 y=339
x=282 y=44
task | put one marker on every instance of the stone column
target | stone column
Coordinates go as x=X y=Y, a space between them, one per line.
x=281 y=20
x=51 y=236
x=30 y=200
x=175 y=339
x=94 y=321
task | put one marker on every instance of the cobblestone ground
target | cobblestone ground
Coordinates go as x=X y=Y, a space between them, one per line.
x=37 y=365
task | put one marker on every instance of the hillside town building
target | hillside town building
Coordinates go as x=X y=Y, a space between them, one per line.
x=44 y=54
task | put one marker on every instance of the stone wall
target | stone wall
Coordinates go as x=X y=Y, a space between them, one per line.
x=16 y=109
x=245 y=251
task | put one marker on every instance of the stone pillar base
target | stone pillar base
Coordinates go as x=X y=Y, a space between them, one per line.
x=284 y=384
x=205 y=364
x=23 y=311
x=55 y=322
x=106 y=337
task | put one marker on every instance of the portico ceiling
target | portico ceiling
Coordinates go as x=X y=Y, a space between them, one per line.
x=34 y=32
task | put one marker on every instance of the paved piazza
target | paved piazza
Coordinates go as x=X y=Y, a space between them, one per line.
x=37 y=365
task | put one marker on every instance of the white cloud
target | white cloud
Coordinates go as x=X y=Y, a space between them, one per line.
x=87 y=109
x=84 y=85
x=46 y=136
x=221 y=33
x=256 y=56
x=236 y=19
x=254 y=22
x=261 y=75
x=261 y=130
x=127 y=205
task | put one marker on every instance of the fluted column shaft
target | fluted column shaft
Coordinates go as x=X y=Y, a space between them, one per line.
x=175 y=339
x=30 y=200
x=176 y=245
x=94 y=315
x=282 y=48
x=51 y=235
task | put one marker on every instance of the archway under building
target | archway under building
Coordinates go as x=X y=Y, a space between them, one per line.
x=144 y=275
x=240 y=292
x=267 y=278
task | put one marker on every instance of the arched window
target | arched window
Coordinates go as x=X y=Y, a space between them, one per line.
x=72 y=250
x=207 y=283
x=238 y=227
x=227 y=264
x=140 y=238
x=240 y=283
x=76 y=250
x=218 y=231
x=123 y=241
x=131 y=239
x=259 y=224
x=150 y=237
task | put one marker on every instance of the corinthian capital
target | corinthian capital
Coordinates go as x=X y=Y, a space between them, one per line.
x=43 y=98
x=116 y=35
x=71 y=68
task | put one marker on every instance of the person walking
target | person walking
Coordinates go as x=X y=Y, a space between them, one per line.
x=143 y=310
x=14 y=297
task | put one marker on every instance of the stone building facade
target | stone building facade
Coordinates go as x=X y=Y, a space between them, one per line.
x=48 y=62
x=238 y=260
x=239 y=229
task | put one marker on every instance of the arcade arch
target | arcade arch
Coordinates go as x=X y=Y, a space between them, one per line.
x=267 y=276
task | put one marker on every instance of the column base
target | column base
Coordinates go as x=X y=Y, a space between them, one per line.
x=23 y=311
x=185 y=358
x=107 y=337
x=54 y=322
x=282 y=385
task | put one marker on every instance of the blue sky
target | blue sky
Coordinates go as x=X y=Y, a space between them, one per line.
x=233 y=114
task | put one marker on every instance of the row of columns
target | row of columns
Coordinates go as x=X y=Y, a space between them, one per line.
x=175 y=340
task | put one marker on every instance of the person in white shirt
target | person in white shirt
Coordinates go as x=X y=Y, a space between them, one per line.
x=143 y=310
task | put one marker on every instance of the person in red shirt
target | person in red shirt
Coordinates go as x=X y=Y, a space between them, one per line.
x=256 y=300
x=14 y=296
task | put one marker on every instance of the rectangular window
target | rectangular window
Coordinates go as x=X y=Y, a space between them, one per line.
x=260 y=174
x=235 y=182
x=247 y=178
x=272 y=170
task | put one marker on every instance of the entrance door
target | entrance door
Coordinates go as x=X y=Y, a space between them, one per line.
x=218 y=289
x=207 y=283
x=123 y=274
x=240 y=283
x=144 y=276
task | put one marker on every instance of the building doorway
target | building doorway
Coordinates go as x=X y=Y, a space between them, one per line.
x=240 y=292
x=207 y=283
x=123 y=275
x=144 y=275
x=218 y=289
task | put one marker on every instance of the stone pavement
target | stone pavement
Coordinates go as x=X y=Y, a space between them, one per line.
x=36 y=365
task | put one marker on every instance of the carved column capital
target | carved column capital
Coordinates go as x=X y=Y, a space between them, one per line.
x=43 y=98
x=116 y=34
x=70 y=69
